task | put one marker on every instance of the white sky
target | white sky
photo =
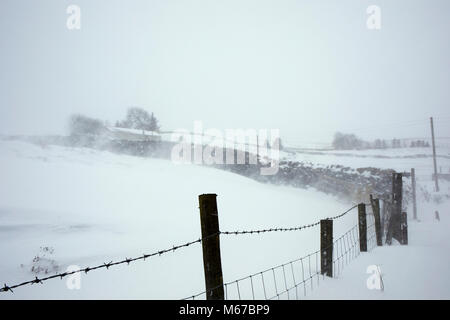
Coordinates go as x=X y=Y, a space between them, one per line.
x=306 y=67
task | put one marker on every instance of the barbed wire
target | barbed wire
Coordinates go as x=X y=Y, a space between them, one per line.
x=343 y=214
x=143 y=257
x=308 y=265
x=318 y=273
x=345 y=249
x=9 y=288
x=287 y=229
x=271 y=229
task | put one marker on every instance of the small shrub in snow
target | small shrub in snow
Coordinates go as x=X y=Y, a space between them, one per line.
x=42 y=263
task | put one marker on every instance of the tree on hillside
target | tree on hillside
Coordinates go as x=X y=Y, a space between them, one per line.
x=138 y=118
x=82 y=125
x=344 y=141
x=396 y=143
x=154 y=123
x=419 y=144
x=377 y=144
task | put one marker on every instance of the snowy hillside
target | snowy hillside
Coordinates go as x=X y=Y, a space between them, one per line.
x=416 y=271
x=74 y=206
x=402 y=159
x=92 y=207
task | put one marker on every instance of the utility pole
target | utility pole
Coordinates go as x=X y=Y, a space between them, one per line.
x=257 y=150
x=434 y=156
x=413 y=183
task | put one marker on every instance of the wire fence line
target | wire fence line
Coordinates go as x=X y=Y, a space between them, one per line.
x=270 y=230
x=297 y=277
x=127 y=261
x=9 y=288
x=287 y=229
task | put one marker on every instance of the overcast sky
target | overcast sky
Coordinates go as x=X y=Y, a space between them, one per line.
x=306 y=67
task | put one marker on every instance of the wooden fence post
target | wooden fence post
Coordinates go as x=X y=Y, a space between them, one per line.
x=362 y=223
x=394 y=229
x=398 y=200
x=212 y=265
x=383 y=217
x=413 y=184
x=404 y=228
x=376 y=213
x=326 y=247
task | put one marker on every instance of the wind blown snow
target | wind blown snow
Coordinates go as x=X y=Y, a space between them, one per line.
x=73 y=206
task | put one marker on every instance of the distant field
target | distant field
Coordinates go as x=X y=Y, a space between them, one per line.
x=401 y=160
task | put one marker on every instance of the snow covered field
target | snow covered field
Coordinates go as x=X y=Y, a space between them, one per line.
x=416 y=271
x=92 y=207
x=75 y=206
x=402 y=159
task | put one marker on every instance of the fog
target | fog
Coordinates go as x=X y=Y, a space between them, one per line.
x=308 y=68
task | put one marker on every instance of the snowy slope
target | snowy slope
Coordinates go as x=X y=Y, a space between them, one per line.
x=75 y=206
x=416 y=271
x=402 y=159
x=92 y=207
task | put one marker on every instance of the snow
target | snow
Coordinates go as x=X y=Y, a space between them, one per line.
x=416 y=271
x=401 y=159
x=91 y=207
x=135 y=131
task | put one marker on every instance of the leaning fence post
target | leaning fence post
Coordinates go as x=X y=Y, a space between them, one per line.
x=326 y=247
x=376 y=213
x=212 y=265
x=383 y=217
x=362 y=223
x=394 y=230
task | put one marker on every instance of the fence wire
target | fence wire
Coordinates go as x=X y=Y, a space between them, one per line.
x=296 y=278
x=127 y=261
x=287 y=229
x=302 y=261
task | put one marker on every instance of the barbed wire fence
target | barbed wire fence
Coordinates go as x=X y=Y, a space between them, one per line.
x=105 y=265
x=295 y=278
x=290 y=280
x=287 y=229
x=298 y=277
